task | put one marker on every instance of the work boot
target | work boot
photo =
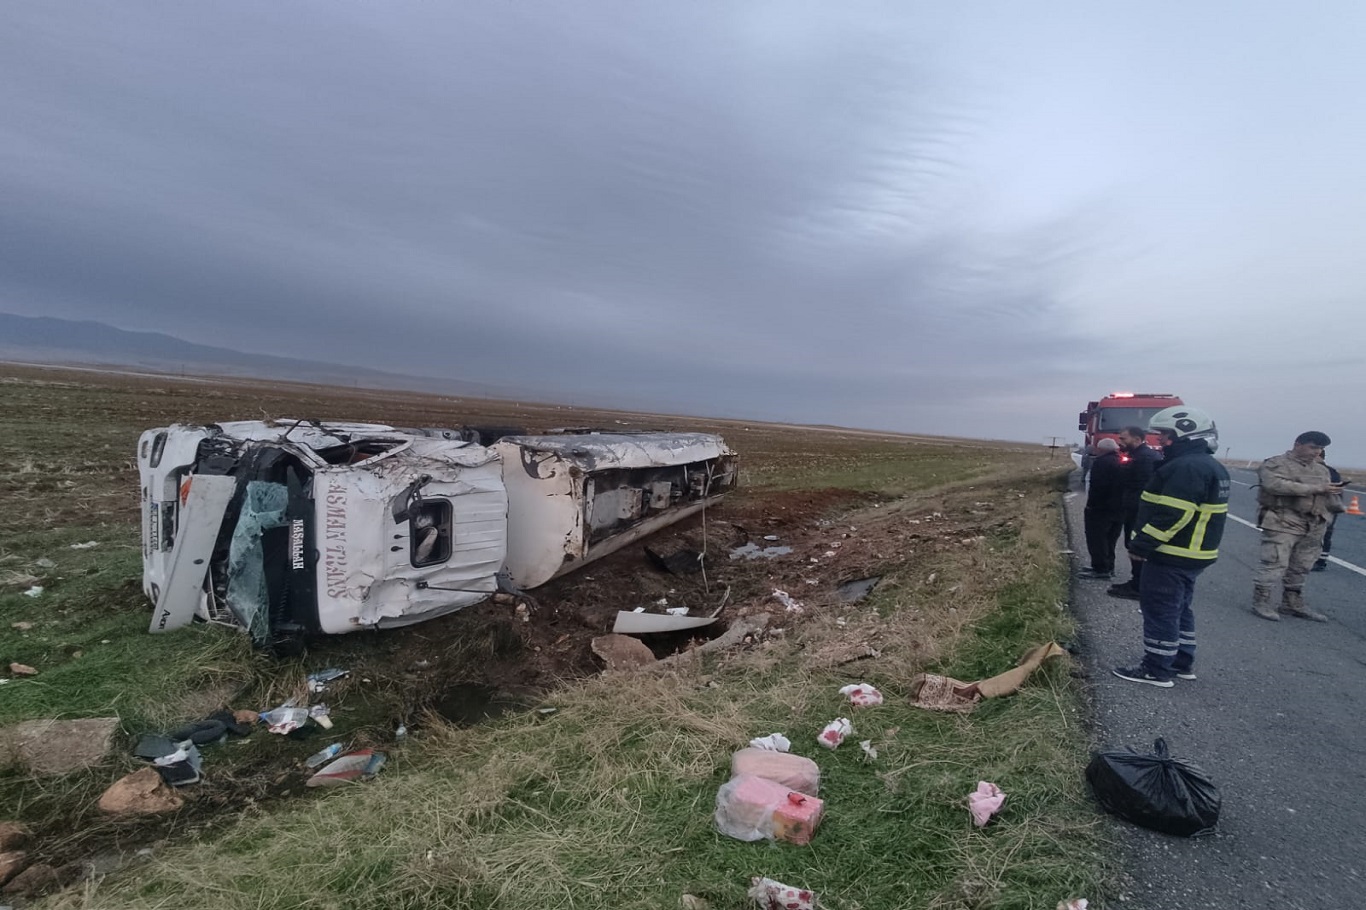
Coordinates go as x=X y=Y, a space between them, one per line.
x=1261 y=603
x=1321 y=564
x=1292 y=604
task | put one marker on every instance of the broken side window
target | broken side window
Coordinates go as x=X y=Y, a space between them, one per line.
x=432 y=529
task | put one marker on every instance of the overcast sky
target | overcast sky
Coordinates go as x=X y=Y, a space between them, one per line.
x=964 y=219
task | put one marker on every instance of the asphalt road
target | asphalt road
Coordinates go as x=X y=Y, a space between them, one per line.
x=1276 y=718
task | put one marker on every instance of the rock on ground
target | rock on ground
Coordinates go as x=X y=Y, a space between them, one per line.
x=13 y=836
x=51 y=747
x=622 y=652
x=36 y=880
x=140 y=793
x=11 y=864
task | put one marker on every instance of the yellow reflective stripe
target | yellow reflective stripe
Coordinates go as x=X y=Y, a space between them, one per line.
x=1201 y=512
x=1184 y=504
x=1188 y=553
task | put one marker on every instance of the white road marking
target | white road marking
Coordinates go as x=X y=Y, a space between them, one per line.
x=1333 y=559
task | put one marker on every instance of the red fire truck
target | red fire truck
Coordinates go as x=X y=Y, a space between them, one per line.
x=1105 y=418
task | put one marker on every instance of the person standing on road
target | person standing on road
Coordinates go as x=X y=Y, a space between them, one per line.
x=1180 y=522
x=1296 y=499
x=1103 y=519
x=1321 y=564
x=1138 y=461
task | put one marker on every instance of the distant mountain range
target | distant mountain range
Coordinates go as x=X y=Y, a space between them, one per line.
x=43 y=339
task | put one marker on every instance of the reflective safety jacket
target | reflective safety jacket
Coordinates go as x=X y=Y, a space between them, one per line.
x=1182 y=511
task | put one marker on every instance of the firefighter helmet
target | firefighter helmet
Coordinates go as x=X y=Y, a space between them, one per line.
x=1185 y=422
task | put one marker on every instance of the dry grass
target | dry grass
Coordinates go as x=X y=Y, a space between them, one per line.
x=607 y=801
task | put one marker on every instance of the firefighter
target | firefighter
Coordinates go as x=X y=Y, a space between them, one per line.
x=1180 y=523
x=1296 y=499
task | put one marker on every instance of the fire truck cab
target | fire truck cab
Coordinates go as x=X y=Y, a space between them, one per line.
x=1105 y=418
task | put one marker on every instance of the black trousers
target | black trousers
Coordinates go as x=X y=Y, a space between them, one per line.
x=1102 y=533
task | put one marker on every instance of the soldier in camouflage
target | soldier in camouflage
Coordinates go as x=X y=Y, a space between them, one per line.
x=1297 y=499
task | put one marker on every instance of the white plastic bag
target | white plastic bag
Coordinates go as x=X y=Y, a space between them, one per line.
x=835 y=732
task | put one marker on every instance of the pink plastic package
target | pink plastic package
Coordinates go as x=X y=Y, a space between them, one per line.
x=773 y=895
x=862 y=695
x=751 y=808
x=835 y=732
x=795 y=772
x=984 y=802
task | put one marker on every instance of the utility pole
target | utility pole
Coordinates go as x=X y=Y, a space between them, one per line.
x=1053 y=446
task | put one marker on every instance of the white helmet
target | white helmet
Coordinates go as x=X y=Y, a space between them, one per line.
x=1186 y=422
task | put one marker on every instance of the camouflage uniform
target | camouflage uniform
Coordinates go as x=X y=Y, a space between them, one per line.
x=1293 y=515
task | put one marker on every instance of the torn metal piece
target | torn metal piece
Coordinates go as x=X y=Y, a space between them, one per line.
x=632 y=623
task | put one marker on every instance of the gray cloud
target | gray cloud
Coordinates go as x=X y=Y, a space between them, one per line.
x=776 y=210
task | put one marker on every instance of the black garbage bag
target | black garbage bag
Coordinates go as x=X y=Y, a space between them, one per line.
x=1156 y=791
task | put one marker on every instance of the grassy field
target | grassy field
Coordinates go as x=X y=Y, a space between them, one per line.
x=607 y=800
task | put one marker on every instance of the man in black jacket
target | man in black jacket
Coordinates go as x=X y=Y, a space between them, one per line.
x=1180 y=523
x=1104 y=516
x=1138 y=460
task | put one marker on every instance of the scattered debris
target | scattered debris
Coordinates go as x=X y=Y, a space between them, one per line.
x=790 y=605
x=796 y=772
x=181 y=767
x=621 y=652
x=21 y=626
x=34 y=591
x=772 y=895
x=835 y=732
x=323 y=755
x=774 y=742
x=317 y=682
x=642 y=623
x=212 y=729
x=244 y=716
x=984 y=802
x=140 y=793
x=284 y=719
x=751 y=808
x=943 y=693
x=771 y=537
x=52 y=747
x=862 y=695
x=22 y=670
x=360 y=765
x=853 y=591
x=1076 y=903
x=868 y=749
x=693 y=902
x=753 y=551
x=88 y=545
x=319 y=715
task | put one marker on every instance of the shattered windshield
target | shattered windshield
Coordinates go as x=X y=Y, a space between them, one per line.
x=264 y=559
x=248 y=595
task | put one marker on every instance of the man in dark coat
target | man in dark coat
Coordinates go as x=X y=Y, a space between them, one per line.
x=1103 y=519
x=1138 y=459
